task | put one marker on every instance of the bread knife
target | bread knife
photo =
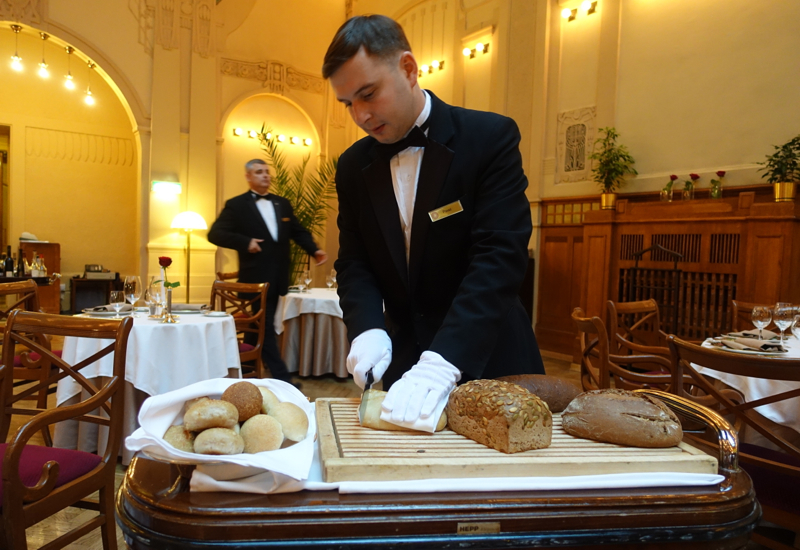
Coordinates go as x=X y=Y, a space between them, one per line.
x=365 y=396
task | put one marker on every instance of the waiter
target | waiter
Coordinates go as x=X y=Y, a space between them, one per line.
x=258 y=225
x=433 y=230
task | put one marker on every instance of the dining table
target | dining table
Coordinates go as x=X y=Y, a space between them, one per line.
x=314 y=337
x=161 y=357
x=786 y=412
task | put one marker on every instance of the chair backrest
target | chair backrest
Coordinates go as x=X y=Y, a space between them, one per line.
x=600 y=368
x=240 y=300
x=686 y=356
x=100 y=404
x=740 y=315
x=227 y=276
x=637 y=327
x=27 y=297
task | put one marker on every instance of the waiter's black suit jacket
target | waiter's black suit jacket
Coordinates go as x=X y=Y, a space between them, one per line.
x=241 y=221
x=458 y=295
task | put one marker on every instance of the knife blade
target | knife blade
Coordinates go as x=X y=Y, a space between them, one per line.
x=365 y=396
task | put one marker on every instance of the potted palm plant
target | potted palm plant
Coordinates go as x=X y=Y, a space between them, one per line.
x=310 y=194
x=782 y=169
x=612 y=163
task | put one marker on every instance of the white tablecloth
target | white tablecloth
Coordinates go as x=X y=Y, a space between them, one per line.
x=316 y=300
x=161 y=357
x=787 y=412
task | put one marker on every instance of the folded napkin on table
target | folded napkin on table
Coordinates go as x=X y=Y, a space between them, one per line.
x=766 y=334
x=752 y=344
x=109 y=307
x=189 y=307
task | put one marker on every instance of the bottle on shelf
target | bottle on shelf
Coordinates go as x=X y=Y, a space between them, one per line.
x=42 y=267
x=2 y=264
x=8 y=265
x=35 y=264
x=21 y=271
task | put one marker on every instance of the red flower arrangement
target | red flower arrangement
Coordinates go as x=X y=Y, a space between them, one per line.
x=716 y=185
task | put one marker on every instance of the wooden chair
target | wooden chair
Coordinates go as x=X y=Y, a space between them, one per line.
x=29 y=368
x=39 y=481
x=227 y=276
x=775 y=474
x=599 y=367
x=635 y=327
x=740 y=315
x=226 y=297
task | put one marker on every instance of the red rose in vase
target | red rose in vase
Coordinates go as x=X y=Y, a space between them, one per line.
x=694 y=177
x=164 y=261
x=720 y=173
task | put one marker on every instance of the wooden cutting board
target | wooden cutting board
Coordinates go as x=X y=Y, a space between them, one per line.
x=350 y=452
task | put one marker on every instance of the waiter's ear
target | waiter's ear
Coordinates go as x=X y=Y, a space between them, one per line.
x=408 y=66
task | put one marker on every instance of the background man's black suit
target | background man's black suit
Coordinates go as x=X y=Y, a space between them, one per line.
x=458 y=293
x=238 y=223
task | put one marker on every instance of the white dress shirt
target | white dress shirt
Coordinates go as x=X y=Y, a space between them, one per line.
x=267 y=210
x=405 y=175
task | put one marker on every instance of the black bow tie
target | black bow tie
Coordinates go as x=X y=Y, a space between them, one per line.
x=415 y=138
x=258 y=197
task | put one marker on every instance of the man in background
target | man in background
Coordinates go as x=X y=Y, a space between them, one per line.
x=434 y=227
x=259 y=225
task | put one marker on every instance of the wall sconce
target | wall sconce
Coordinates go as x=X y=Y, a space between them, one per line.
x=569 y=14
x=188 y=221
x=16 y=60
x=281 y=138
x=434 y=66
x=238 y=132
x=587 y=6
x=294 y=140
x=480 y=47
x=307 y=142
x=252 y=134
x=166 y=187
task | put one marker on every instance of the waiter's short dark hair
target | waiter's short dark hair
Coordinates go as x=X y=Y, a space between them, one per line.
x=251 y=164
x=379 y=35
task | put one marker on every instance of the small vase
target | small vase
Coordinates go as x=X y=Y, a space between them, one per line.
x=688 y=193
x=716 y=192
x=168 y=316
x=666 y=195
x=608 y=201
x=785 y=191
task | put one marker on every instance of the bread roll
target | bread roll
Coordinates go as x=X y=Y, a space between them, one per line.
x=180 y=438
x=246 y=397
x=293 y=420
x=218 y=441
x=622 y=417
x=210 y=413
x=268 y=399
x=371 y=414
x=500 y=415
x=555 y=392
x=261 y=433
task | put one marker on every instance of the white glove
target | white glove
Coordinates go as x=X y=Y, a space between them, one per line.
x=372 y=349
x=421 y=391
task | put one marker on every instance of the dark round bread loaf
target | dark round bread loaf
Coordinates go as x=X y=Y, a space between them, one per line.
x=555 y=392
x=622 y=417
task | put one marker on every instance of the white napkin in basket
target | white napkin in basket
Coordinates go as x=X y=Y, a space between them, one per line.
x=162 y=411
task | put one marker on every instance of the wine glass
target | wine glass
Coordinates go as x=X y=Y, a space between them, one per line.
x=333 y=277
x=761 y=318
x=329 y=281
x=133 y=290
x=782 y=316
x=117 y=301
x=795 y=328
x=307 y=278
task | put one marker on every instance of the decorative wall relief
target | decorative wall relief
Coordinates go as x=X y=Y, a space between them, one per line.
x=76 y=146
x=160 y=22
x=29 y=12
x=275 y=76
x=576 y=132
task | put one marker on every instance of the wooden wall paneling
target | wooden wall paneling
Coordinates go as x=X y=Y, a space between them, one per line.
x=559 y=286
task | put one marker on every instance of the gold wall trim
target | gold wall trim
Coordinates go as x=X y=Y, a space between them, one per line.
x=79 y=147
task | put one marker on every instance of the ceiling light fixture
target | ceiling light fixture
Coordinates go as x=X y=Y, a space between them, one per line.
x=43 y=72
x=69 y=83
x=16 y=60
x=89 y=99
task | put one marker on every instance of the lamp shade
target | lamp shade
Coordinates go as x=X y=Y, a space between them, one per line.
x=189 y=220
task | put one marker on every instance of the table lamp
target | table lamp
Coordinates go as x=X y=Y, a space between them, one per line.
x=188 y=221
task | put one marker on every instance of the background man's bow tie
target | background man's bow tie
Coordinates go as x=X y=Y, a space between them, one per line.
x=257 y=197
x=415 y=138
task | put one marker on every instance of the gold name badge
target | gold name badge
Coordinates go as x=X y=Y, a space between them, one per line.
x=445 y=211
x=284 y=219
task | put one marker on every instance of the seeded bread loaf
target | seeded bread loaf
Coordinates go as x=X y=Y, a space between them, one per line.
x=557 y=393
x=622 y=417
x=500 y=415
